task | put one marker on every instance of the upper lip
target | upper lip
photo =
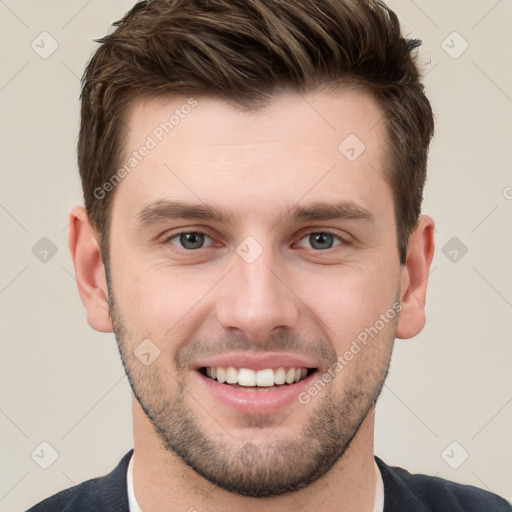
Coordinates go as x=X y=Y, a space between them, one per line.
x=257 y=362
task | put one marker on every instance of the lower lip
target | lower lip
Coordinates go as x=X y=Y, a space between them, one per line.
x=266 y=400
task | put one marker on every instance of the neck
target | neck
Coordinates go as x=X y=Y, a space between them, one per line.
x=163 y=482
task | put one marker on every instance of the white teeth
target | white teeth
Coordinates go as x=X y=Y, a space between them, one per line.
x=263 y=378
x=231 y=375
x=280 y=376
x=290 y=376
x=221 y=374
x=246 y=377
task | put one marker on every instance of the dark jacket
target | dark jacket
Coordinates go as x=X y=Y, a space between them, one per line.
x=403 y=492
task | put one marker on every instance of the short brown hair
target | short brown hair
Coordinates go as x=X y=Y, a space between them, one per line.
x=243 y=51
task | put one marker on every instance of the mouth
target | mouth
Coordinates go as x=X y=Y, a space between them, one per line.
x=249 y=383
x=249 y=379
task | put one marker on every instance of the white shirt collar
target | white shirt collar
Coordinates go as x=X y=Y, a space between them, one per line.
x=133 y=506
x=378 y=505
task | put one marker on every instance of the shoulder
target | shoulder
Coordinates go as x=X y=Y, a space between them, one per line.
x=428 y=493
x=78 y=498
x=108 y=492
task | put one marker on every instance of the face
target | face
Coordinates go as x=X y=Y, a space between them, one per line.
x=257 y=248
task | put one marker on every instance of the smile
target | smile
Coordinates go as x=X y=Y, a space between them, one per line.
x=251 y=379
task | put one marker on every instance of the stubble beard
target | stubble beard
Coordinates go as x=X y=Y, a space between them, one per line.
x=257 y=469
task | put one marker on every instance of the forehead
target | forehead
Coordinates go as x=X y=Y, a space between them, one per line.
x=298 y=148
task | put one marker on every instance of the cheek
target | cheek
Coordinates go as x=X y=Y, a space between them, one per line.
x=350 y=300
x=156 y=300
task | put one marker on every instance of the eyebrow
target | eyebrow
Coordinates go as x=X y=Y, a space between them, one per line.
x=163 y=210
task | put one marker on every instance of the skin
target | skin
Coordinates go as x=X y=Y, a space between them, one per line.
x=190 y=451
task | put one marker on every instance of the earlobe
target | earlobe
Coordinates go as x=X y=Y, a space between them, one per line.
x=89 y=269
x=414 y=279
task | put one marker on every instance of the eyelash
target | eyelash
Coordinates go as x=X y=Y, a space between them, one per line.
x=323 y=232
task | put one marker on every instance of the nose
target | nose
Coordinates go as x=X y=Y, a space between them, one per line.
x=256 y=299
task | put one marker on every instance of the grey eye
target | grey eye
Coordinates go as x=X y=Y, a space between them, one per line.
x=320 y=240
x=189 y=240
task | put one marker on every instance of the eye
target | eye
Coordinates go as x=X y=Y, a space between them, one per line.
x=188 y=240
x=193 y=240
x=321 y=240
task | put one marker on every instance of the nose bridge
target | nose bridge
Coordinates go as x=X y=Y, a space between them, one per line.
x=255 y=298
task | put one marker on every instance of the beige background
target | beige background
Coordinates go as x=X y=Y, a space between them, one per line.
x=63 y=383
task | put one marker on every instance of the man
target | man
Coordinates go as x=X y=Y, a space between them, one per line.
x=253 y=175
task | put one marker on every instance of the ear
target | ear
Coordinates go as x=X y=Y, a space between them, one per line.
x=414 y=279
x=89 y=269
